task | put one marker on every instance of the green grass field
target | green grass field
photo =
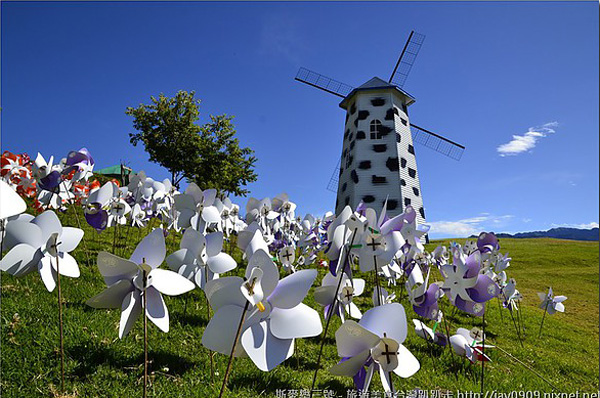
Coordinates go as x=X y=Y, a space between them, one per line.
x=98 y=364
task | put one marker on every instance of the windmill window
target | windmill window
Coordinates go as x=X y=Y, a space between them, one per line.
x=406 y=201
x=404 y=121
x=392 y=164
x=392 y=204
x=353 y=109
x=344 y=186
x=416 y=191
x=375 y=129
x=362 y=115
x=380 y=148
x=422 y=212
x=341 y=171
x=404 y=108
x=360 y=135
x=411 y=149
x=396 y=111
x=364 y=165
x=402 y=182
x=412 y=172
x=349 y=160
x=352 y=145
x=354 y=176
x=346 y=201
x=377 y=101
x=398 y=137
x=378 y=180
x=403 y=162
x=369 y=199
x=389 y=115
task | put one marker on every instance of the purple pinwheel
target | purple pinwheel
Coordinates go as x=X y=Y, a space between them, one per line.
x=464 y=284
x=423 y=298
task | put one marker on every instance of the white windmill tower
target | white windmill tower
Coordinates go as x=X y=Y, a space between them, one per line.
x=378 y=157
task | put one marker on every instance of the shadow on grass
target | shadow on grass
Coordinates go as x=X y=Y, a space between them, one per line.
x=267 y=384
x=91 y=356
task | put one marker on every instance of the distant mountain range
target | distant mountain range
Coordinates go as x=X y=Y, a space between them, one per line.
x=557 y=233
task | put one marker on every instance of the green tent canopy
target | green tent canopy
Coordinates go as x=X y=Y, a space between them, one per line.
x=119 y=172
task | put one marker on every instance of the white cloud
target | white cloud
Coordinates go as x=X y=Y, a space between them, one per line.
x=580 y=226
x=468 y=226
x=527 y=141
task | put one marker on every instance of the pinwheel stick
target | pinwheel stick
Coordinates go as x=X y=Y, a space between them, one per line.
x=144 y=276
x=543 y=317
x=483 y=349
x=514 y=323
x=525 y=365
x=60 y=325
x=377 y=284
x=235 y=341
x=212 y=363
x=330 y=312
x=87 y=258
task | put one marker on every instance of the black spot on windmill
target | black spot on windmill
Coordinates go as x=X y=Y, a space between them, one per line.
x=378 y=158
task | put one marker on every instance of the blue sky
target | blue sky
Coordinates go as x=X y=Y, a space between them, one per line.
x=522 y=77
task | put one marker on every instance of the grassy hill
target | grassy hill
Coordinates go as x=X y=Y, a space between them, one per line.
x=98 y=364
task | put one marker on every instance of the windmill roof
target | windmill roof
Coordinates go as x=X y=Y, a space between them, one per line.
x=377 y=84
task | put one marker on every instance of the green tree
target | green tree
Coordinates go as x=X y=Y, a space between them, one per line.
x=209 y=155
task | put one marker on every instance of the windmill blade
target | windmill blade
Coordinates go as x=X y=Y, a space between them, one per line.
x=323 y=82
x=407 y=58
x=436 y=142
x=335 y=178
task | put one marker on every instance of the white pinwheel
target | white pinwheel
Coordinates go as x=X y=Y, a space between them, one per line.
x=550 y=303
x=469 y=344
x=41 y=242
x=286 y=256
x=282 y=204
x=375 y=343
x=139 y=278
x=326 y=294
x=429 y=334
x=196 y=208
x=12 y=203
x=275 y=312
x=201 y=258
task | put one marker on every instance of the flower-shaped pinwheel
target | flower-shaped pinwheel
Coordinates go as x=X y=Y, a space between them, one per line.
x=80 y=163
x=12 y=204
x=287 y=255
x=98 y=201
x=550 y=303
x=429 y=334
x=41 y=243
x=200 y=258
x=196 y=208
x=326 y=294
x=139 y=278
x=276 y=315
x=466 y=287
x=375 y=344
x=423 y=298
x=469 y=344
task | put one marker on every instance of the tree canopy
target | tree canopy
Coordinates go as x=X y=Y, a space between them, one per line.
x=209 y=154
